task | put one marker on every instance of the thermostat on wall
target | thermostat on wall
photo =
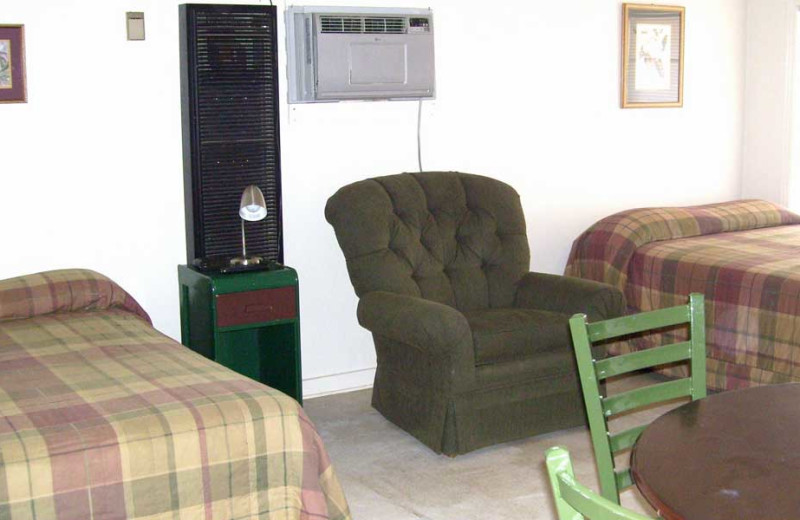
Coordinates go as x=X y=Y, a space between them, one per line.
x=346 y=53
x=134 y=22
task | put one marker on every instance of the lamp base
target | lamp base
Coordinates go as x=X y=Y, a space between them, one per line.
x=246 y=260
x=224 y=264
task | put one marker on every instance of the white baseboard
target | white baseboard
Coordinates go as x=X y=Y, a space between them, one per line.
x=338 y=383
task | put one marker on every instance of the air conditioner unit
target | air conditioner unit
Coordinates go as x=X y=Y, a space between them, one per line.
x=345 y=53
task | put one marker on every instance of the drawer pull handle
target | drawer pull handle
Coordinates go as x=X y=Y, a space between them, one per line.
x=257 y=308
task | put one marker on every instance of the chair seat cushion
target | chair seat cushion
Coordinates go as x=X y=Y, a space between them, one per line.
x=502 y=335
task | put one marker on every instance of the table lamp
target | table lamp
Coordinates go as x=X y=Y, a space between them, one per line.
x=252 y=208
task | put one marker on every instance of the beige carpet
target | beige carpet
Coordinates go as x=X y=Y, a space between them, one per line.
x=388 y=475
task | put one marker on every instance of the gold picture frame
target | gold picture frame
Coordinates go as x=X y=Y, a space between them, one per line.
x=652 y=55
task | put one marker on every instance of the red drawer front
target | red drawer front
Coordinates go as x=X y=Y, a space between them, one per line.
x=256 y=306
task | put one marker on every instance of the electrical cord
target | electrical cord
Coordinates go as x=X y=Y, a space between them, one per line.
x=419 y=142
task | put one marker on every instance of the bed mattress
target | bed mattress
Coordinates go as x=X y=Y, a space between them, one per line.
x=103 y=417
x=744 y=256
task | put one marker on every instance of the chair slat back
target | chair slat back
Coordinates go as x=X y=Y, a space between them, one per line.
x=626 y=325
x=592 y=371
x=575 y=501
x=641 y=397
x=619 y=365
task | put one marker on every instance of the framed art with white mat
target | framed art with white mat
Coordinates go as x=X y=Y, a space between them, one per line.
x=652 y=55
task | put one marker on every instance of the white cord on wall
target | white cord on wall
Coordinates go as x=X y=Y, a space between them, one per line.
x=419 y=125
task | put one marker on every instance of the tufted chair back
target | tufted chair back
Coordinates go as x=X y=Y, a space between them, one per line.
x=450 y=237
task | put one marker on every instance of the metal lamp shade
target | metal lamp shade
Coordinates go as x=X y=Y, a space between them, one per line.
x=252 y=207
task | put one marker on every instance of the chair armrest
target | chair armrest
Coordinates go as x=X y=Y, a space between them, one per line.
x=434 y=328
x=568 y=295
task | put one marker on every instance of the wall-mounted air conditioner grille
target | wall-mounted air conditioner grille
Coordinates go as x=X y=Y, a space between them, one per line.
x=385 y=25
x=362 y=25
x=341 y=24
x=341 y=53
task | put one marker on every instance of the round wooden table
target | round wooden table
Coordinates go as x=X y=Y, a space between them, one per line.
x=733 y=455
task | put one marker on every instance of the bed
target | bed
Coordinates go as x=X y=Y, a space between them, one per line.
x=103 y=417
x=743 y=255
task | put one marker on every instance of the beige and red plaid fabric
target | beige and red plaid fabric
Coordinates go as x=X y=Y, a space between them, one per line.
x=103 y=417
x=62 y=291
x=742 y=255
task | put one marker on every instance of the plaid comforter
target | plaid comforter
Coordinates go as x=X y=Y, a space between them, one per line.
x=103 y=417
x=743 y=255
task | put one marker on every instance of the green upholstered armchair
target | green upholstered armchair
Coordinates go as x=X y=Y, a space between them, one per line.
x=472 y=349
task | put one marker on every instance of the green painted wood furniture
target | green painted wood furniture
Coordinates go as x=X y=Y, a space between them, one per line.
x=575 y=501
x=247 y=321
x=600 y=408
x=472 y=348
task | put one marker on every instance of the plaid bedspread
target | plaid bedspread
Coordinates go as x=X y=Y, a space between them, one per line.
x=103 y=417
x=742 y=255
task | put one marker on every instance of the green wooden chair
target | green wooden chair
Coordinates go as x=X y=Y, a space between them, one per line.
x=600 y=408
x=576 y=502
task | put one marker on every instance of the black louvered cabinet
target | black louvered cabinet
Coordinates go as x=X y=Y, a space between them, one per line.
x=231 y=128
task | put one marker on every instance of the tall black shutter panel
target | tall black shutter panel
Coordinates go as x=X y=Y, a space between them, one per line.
x=229 y=98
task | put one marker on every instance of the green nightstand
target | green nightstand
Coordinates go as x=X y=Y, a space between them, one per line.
x=247 y=321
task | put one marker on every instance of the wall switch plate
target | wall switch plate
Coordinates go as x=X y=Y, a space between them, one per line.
x=134 y=22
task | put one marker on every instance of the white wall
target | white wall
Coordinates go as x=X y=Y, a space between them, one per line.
x=766 y=160
x=528 y=92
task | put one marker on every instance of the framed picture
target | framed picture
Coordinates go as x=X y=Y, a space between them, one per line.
x=652 y=55
x=12 y=64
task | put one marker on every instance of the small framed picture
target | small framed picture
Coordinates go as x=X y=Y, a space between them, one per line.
x=12 y=64
x=652 y=55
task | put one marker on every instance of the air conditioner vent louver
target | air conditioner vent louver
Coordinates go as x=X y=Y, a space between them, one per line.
x=341 y=24
x=385 y=25
x=362 y=25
